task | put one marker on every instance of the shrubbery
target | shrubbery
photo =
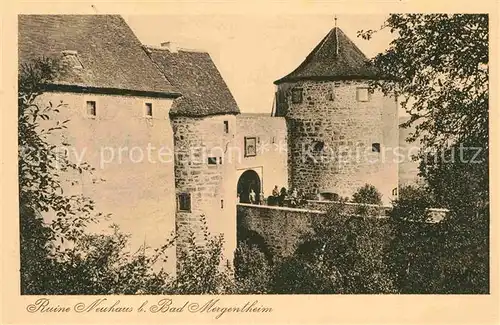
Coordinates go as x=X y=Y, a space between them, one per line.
x=367 y=194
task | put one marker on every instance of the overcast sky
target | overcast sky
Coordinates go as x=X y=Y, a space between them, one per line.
x=252 y=51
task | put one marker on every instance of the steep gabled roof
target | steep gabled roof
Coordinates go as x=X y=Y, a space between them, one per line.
x=336 y=57
x=111 y=55
x=203 y=89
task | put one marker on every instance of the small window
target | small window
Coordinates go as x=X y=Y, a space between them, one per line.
x=220 y=160
x=222 y=204
x=319 y=146
x=91 y=108
x=184 y=202
x=148 y=109
x=376 y=147
x=337 y=84
x=226 y=126
x=395 y=191
x=297 y=95
x=362 y=94
x=212 y=160
x=273 y=140
x=71 y=59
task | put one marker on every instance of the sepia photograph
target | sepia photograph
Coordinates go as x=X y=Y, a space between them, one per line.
x=318 y=154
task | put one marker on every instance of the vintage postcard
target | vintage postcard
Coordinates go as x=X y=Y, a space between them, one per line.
x=249 y=162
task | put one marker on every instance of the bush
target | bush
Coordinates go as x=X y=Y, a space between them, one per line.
x=252 y=269
x=344 y=255
x=447 y=257
x=201 y=268
x=367 y=194
x=411 y=204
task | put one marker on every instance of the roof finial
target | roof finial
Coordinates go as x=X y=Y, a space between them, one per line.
x=336 y=38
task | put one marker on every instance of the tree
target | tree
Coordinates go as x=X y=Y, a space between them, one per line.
x=367 y=194
x=447 y=257
x=438 y=65
x=412 y=203
x=201 y=266
x=40 y=187
x=252 y=269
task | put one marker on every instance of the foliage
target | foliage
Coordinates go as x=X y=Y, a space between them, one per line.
x=440 y=258
x=367 y=194
x=448 y=257
x=442 y=77
x=252 y=269
x=101 y=264
x=40 y=164
x=411 y=204
x=443 y=82
x=344 y=255
x=458 y=178
x=201 y=268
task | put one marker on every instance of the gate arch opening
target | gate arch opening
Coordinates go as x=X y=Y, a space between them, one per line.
x=248 y=181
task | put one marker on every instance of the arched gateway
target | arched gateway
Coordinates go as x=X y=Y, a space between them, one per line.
x=248 y=181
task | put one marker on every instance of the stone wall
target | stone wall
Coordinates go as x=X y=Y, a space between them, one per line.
x=436 y=215
x=212 y=187
x=280 y=228
x=330 y=137
x=278 y=231
x=349 y=208
x=270 y=161
x=132 y=157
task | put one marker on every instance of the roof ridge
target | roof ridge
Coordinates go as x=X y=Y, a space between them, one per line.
x=204 y=90
x=180 y=49
x=107 y=47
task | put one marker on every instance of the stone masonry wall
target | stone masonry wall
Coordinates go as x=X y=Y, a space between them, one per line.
x=349 y=208
x=281 y=228
x=330 y=136
x=212 y=187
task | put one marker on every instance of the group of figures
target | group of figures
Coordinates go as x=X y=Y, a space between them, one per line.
x=291 y=198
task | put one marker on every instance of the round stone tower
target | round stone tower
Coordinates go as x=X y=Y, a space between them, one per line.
x=341 y=133
x=205 y=176
x=203 y=121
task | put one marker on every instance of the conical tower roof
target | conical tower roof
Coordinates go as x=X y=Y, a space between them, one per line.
x=336 y=57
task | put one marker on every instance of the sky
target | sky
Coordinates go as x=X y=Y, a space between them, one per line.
x=251 y=51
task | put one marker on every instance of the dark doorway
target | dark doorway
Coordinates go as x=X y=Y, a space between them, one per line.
x=249 y=180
